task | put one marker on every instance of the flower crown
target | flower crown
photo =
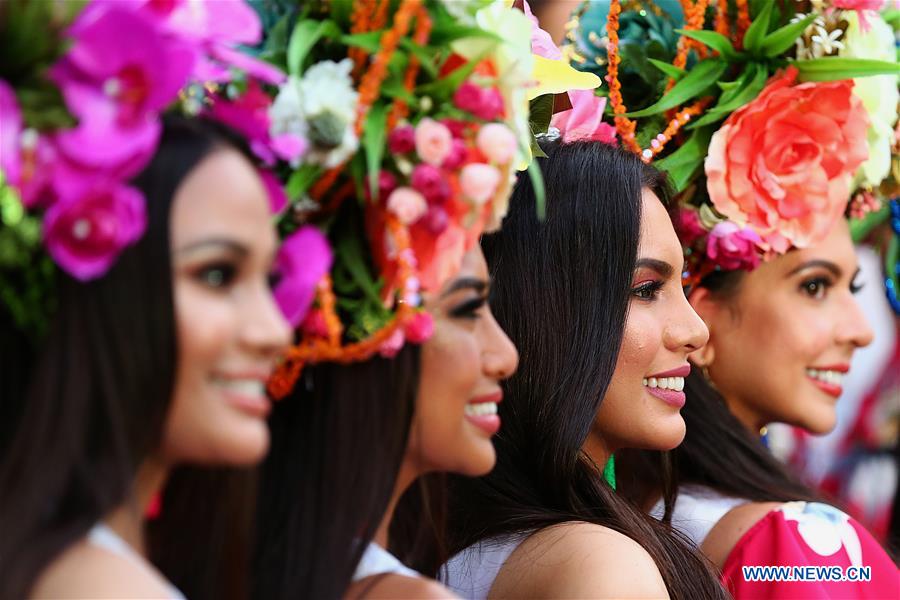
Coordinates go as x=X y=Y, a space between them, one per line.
x=758 y=121
x=81 y=115
x=414 y=117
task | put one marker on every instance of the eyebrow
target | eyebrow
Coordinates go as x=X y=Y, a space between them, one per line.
x=663 y=268
x=221 y=243
x=463 y=283
x=825 y=264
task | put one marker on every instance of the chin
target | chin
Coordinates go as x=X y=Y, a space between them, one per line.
x=247 y=447
x=481 y=461
x=818 y=421
x=668 y=436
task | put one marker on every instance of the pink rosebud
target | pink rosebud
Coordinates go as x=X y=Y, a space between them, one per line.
x=479 y=182
x=314 y=324
x=457 y=128
x=303 y=258
x=688 y=227
x=386 y=184
x=497 y=142
x=468 y=97
x=433 y=141
x=429 y=180
x=90 y=224
x=457 y=155
x=436 y=220
x=419 y=328
x=402 y=140
x=391 y=346
x=731 y=247
x=491 y=106
x=407 y=204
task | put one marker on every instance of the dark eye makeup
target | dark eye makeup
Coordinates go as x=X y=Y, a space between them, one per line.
x=648 y=290
x=469 y=309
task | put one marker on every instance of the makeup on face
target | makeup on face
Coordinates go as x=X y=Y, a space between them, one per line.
x=482 y=412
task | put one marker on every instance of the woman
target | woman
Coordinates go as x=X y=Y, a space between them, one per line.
x=592 y=299
x=158 y=363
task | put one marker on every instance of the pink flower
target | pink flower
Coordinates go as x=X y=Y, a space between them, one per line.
x=402 y=140
x=783 y=163
x=541 y=42
x=419 y=328
x=248 y=115
x=289 y=147
x=90 y=224
x=10 y=133
x=479 y=182
x=688 y=227
x=314 y=324
x=491 y=106
x=303 y=258
x=391 y=346
x=497 y=142
x=429 y=180
x=433 y=141
x=732 y=248
x=277 y=198
x=407 y=204
x=467 y=97
x=436 y=220
x=457 y=155
x=457 y=128
x=386 y=184
x=584 y=121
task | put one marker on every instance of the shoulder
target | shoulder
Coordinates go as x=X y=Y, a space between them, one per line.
x=85 y=571
x=578 y=560
x=392 y=585
x=732 y=527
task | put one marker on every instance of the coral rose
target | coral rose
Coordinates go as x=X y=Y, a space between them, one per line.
x=783 y=163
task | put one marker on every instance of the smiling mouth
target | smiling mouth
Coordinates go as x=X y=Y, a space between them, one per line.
x=248 y=395
x=829 y=381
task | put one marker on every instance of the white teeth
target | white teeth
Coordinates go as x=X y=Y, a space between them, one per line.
x=481 y=409
x=244 y=387
x=666 y=383
x=832 y=377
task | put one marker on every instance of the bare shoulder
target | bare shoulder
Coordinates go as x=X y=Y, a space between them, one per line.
x=732 y=527
x=398 y=586
x=85 y=571
x=579 y=560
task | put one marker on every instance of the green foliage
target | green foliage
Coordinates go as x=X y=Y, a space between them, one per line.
x=697 y=80
x=835 y=68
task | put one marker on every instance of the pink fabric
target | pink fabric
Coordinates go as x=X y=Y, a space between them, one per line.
x=787 y=538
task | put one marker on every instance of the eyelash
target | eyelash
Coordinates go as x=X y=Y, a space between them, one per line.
x=651 y=288
x=856 y=287
x=468 y=310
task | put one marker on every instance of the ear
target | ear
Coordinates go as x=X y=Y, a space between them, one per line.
x=707 y=309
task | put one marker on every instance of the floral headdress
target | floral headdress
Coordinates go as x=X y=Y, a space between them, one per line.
x=82 y=93
x=415 y=115
x=768 y=117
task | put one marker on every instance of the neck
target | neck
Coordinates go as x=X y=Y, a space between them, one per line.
x=598 y=448
x=753 y=421
x=128 y=519
x=408 y=473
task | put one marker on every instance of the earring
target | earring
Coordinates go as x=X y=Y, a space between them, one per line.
x=609 y=472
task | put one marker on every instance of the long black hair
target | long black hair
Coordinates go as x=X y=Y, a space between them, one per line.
x=93 y=404
x=337 y=444
x=718 y=450
x=561 y=292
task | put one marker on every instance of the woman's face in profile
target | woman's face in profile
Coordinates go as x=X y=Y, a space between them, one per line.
x=463 y=364
x=229 y=329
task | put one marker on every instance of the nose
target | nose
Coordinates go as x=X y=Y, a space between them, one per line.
x=265 y=330
x=685 y=331
x=499 y=357
x=853 y=328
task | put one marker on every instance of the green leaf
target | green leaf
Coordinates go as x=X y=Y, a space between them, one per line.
x=445 y=87
x=684 y=162
x=714 y=40
x=861 y=228
x=306 y=33
x=540 y=193
x=374 y=133
x=669 y=70
x=835 y=68
x=703 y=75
x=758 y=28
x=756 y=76
x=540 y=111
x=781 y=39
x=370 y=41
x=449 y=31
x=301 y=180
x=425 y=56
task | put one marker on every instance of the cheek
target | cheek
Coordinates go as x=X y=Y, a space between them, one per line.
x=641 y=342
x=451 y=368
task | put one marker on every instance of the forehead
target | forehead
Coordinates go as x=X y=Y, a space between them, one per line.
x=836 y=247
x=658 y=239
x=221 y=197
x=473 y=264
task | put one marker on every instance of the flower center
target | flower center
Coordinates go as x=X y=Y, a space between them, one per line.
x=81 y=229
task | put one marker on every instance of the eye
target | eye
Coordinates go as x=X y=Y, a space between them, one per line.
x=647 y=291
x=469 y=309
x=816 y=287
x=217 y=276
x=856 y=287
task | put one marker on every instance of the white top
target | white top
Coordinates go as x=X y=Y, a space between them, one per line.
x=697 y=510
x=378 y=561
x=104 y=537
x=472 y=572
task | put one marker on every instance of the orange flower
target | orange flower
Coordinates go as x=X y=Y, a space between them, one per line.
x=783 y=163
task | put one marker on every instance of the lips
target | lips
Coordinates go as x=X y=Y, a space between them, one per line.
x=482 y=412
x=829 y=379
x=246 y=393
x=668 y=385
